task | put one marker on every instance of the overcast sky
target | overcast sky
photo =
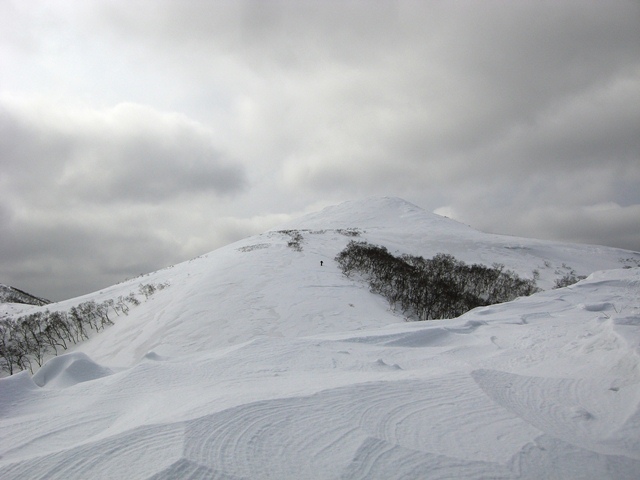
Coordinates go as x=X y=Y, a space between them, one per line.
x=135 y=134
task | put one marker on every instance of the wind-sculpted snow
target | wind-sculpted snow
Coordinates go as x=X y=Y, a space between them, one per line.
x=67 y=370
x=258 y=362
x=582 y=412
x=544 y=387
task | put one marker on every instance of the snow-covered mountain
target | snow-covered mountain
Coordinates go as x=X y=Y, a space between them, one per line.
x=256 y=361
x=10 y=294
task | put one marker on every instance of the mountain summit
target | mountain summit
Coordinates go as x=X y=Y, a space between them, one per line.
x=261 y=359
x=376 y=212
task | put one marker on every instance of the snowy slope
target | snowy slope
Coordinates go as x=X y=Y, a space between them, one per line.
x=257 y=362
x=261 y=286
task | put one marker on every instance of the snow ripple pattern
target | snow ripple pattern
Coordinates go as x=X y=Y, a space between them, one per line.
x=356 y=428
x=578 y=411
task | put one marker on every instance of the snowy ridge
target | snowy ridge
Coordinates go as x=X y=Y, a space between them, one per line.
x=257 y=362
x=13 y=295
x=262 y=286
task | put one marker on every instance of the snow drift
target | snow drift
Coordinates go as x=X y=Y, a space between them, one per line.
x=257 y=362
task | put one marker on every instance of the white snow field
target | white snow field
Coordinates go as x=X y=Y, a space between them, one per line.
x=256 y=362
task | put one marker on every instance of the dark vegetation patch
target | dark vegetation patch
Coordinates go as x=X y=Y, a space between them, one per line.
x=568 y=276
x=250 y=248
x=426 y=289
x=14 y=295
x=295 y=239
x=349 y=232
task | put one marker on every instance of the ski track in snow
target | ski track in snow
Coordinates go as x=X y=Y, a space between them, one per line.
x=259 y=363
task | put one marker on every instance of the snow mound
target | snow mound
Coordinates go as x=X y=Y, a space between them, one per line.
x=14 y=389
x=68 y=370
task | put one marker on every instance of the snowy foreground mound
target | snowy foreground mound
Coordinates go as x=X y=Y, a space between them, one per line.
x=258 y=363
x=544 y=387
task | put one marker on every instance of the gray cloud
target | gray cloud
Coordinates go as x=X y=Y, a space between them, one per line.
x=128 y=153
x=81 y=257
x=518 y=117
x=83 y=189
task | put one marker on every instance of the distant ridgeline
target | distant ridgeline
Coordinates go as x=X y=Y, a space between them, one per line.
x=13 y=295
x=441 y=287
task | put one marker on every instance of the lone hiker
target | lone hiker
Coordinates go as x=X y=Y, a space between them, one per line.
x=321 y=262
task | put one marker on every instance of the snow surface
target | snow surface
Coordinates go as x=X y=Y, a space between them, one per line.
x=257 y=362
